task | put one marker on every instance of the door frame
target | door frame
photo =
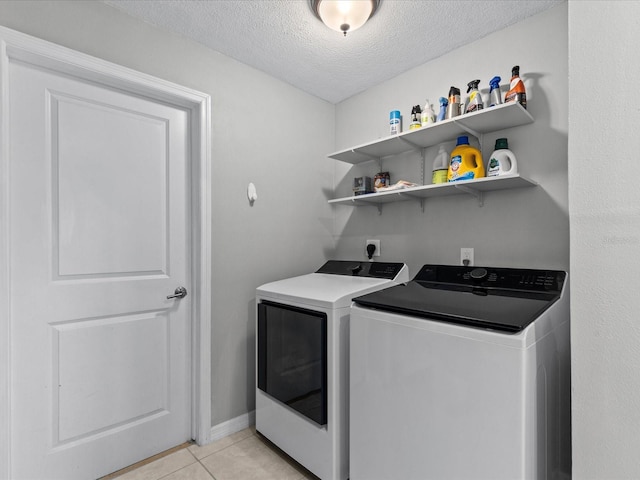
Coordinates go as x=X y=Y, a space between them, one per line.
x=21 y=47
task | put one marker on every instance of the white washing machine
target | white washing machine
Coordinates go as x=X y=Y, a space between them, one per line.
x=302 y=358
x=462 y=373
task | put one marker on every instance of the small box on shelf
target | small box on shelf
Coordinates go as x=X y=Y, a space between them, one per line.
x=362 y=185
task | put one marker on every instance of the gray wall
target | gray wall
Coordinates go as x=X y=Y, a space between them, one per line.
x=257 y=136
x=526 y=227
x=605 y=235
x=513 y=228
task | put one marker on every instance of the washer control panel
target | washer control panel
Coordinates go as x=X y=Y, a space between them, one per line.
x=503 y=278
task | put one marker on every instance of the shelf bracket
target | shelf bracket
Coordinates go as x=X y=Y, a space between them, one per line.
x=366 y=155
x=359 y=203
x=415 y=146
x=467 y=129
x=472 y=191
x=423 y=163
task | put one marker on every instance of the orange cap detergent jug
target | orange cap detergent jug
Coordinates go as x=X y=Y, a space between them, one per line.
x=466 y=162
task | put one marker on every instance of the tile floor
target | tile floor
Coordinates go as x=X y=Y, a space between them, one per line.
x=245 y=455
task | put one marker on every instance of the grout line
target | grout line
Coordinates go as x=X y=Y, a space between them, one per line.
x=146 y=461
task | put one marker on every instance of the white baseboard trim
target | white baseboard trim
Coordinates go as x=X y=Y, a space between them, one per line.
x=234 y=425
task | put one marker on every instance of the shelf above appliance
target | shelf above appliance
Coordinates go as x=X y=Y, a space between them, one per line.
x=476 y=188
x=483 y=121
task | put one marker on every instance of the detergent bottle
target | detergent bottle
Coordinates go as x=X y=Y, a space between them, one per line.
x=502 y=161
x=443 y=109
x=440 y=166
x=516 y=91
x=494 y=92
x=466 y=162
x=428 y=116
x=474 y=100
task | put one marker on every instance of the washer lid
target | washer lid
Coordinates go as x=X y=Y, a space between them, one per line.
x=502 y=299
x=332 y=290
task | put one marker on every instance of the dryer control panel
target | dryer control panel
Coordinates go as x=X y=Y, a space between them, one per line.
x=386 y=270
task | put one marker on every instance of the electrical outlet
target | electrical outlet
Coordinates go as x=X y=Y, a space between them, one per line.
x=466 y=256
x=376 y=253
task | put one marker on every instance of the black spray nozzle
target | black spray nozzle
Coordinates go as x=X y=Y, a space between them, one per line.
x=454 y=91
x=472 y=84
x=515 y=71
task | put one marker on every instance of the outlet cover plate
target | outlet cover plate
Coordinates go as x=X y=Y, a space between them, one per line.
x=374 y=242
x=466 y=254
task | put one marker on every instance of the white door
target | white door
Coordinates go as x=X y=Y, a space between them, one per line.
x=99 y=236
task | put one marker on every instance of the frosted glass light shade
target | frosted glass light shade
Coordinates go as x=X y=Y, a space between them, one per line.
x=344 y=15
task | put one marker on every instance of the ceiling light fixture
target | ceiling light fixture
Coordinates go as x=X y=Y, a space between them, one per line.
x=344 y=15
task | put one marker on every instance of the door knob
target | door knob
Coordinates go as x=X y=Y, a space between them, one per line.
x=180 y=292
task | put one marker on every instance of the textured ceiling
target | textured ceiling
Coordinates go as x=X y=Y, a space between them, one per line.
x=284 y=39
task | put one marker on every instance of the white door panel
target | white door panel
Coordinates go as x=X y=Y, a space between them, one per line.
x=99 y=222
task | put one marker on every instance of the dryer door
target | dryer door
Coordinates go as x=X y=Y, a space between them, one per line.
x=292 y=358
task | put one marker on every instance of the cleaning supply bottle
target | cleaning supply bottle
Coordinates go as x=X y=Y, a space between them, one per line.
x=494 y=92
x=453 y=109
x=440 y=166
x=428 y=116
x=474 y=100
x=443 y=109
x=502 y=161
x=516 y=91
x=415 y=118
x=466 y=162
x=395 y=122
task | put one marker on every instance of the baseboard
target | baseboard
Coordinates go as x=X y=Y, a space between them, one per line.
x=234 y=425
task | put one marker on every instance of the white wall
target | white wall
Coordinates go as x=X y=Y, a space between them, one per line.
x=604 y=199
x=257 y=136
x=527 y=227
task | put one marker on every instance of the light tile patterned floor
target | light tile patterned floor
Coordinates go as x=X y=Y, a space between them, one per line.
x=242 y=456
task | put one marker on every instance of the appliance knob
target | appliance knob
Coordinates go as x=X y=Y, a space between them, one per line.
x=478 y=273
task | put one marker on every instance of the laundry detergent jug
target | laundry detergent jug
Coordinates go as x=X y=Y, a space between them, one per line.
x=502 y=161
x=466 y=162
